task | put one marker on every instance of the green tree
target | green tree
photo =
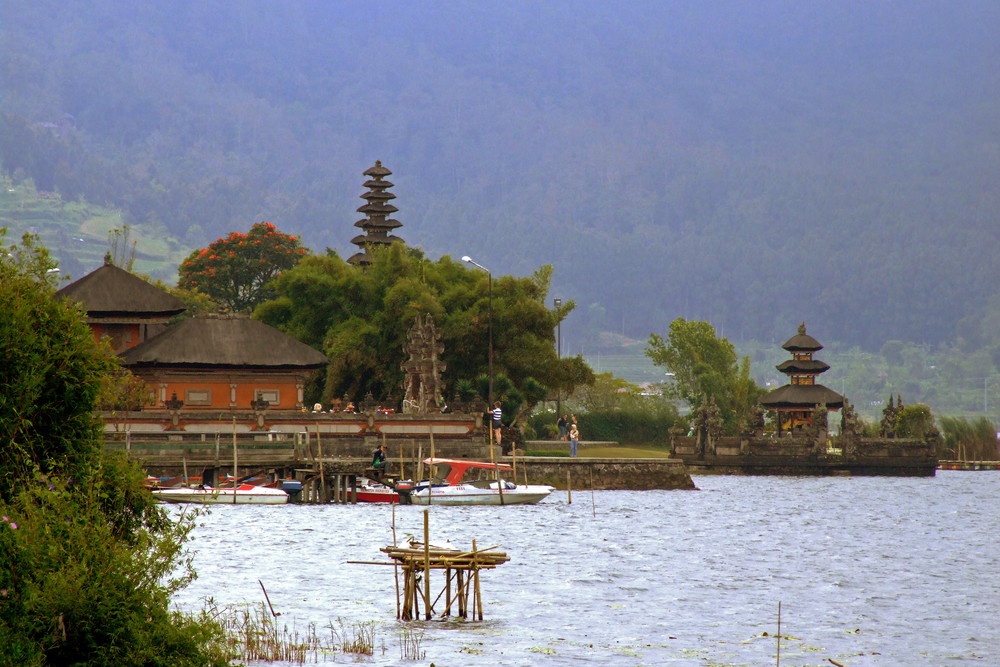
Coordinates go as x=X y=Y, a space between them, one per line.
x=236 y=270
x=703 y=366
x=915 y=421
x=89 y=561
x=360 y=317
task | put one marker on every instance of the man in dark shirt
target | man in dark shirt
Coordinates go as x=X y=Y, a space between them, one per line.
x=380 y=460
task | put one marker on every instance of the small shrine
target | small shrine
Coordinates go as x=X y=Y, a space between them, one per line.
x=796 y=402
x=376 y=223
x=424 y=367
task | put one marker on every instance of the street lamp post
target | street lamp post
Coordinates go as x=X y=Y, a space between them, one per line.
x=557 y=302
x=490 y=298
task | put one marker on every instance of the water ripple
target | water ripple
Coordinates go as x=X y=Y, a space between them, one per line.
x=869 y=571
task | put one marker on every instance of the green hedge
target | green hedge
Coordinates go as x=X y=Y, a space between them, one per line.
x=639 y=424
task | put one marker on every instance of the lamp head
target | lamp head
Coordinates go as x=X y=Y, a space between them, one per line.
x=466 y=258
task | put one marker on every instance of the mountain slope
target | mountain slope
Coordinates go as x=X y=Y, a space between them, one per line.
x=752 y=164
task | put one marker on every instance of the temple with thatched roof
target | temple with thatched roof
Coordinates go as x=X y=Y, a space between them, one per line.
x=224 y=361
x=376 y=223
x=795 y=402
x=215 y=362
x=121 y=307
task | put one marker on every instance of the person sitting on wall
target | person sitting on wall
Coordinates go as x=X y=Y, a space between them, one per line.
x=318 y=407
x=380 y=460
x=349 y=408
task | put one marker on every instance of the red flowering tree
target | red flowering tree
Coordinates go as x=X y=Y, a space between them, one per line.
x=235 y=271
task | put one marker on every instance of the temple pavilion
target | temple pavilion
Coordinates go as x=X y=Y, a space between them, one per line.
x=376 y=223
x=795 y=402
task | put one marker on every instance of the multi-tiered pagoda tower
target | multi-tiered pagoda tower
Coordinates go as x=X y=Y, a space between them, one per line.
x=795 y=402
x=376 y=224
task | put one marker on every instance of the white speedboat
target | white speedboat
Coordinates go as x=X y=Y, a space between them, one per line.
x=244 y=494
x=490 y=490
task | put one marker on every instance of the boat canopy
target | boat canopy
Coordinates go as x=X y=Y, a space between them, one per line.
x=457 y=467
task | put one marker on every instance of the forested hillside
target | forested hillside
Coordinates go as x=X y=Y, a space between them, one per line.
x=751 y=164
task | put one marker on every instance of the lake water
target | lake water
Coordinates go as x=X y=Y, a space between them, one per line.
x=868 y=571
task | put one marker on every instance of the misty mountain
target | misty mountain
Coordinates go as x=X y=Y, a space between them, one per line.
x=751 y=164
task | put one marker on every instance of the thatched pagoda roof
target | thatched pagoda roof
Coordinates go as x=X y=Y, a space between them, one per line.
x=377 y=171
x=224 y=341
x=110 y=291
x=377 y=209
x=802 y=342
x=388 y=223
x=803 y=366
x=802 y=396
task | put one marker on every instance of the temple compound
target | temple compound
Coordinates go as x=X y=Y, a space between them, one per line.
x=801 y=443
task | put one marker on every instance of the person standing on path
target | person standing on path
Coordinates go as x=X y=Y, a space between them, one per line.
x=574 y=438
x=497 y=421
x=562 y=424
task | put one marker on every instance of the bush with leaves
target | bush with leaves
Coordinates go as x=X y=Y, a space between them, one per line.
x=86 y=556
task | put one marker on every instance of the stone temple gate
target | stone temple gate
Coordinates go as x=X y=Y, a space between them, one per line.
x=424 y=367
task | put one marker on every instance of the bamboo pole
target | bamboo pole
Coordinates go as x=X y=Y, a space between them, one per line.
x=475 y=574
x=513 y=460
x=427 y=566
x=322 y=474
x=402 y=465
x=569 y=489
x=447 y=585
x=235 y=461
x=778 y=658
x=433 y=467
x=496 y=470
x=184 y=462
x=395 y=563
x=593 y=501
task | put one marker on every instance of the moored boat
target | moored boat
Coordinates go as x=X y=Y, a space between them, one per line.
x=244 y=494
x=371 y=491
x=489 y=490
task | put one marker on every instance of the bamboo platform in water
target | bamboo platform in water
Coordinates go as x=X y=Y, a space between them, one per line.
x=461 y=578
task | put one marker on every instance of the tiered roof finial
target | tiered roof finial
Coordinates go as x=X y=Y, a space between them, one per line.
x=377 y=225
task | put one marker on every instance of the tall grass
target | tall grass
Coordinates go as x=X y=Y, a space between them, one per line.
x=969 y=441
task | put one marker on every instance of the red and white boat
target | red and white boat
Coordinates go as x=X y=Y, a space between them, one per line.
x=244 y=494
x=370 y=491
x=489 y=489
